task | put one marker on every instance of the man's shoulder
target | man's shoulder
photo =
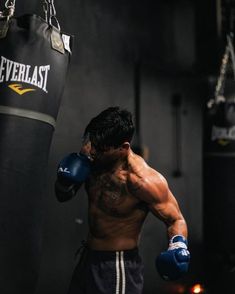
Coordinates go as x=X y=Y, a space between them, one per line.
x=139 y=170
x=139 y=167
x=141 y=175
x=136 y=162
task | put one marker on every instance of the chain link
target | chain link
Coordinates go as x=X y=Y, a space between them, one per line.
x=10 y=4
x=45 y=9
x=219 y=89
x=9 y=10
x=232 y=55
x=50 y=13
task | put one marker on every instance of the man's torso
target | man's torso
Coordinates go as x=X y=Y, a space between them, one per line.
x=115 y=214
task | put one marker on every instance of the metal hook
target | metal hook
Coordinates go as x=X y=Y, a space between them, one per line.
x=10 y=4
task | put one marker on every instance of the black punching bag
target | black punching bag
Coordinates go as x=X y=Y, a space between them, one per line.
x=34 y=58
x=219 y=194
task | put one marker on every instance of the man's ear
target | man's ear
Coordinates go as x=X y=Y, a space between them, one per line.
x=125 y=145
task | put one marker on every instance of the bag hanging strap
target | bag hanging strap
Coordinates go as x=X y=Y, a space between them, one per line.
x=48 y=7
x=57 y=42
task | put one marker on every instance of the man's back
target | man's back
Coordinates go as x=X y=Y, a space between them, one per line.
x=115 y=214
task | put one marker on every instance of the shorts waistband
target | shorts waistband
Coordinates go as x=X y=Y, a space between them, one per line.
x=130 y=253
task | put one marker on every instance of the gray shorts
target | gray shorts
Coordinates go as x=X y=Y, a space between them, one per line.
x=108 y=272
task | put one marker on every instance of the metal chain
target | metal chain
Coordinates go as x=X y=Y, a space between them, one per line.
x=219 y=89
x=9 y=9
x=232 y=55
x=50 y=13
x=10 y=4
x=229 y=52
x=45 y=9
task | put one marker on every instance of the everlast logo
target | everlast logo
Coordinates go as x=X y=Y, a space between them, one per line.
x=11 y=71
x=223 y=135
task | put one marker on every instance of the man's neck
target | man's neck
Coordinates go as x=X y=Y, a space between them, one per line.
x=111 y=166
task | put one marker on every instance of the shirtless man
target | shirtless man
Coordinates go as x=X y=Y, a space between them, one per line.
x=122 y=189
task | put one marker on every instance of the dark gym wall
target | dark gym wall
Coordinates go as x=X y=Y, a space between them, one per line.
x=109 y=36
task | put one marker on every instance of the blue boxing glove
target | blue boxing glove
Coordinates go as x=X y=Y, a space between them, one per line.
x=173 y=263
x=73 y=170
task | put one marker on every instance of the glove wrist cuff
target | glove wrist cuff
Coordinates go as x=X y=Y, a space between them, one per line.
x=177 y=241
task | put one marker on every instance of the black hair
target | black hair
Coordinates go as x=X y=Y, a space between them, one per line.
x=112 y=127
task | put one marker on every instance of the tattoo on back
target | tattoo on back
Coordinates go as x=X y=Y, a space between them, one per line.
x=109 y=193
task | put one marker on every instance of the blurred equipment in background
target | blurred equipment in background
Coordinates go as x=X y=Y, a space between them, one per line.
x=177 y=110
x=137 y=144
x=219 y=169
x=34 y=58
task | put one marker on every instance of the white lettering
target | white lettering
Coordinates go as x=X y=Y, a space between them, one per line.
x=47 y=68
x=3 y=60
x=64 y=170
x=27 y=78
x=14 y=76
x=8 y=69
x=40 y=82
x=223 y=133
x=21 y=72
x=34 y=79
x=14 y=71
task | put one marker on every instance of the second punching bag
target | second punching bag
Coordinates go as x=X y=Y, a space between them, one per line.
x=219 y=186
x=34 y=58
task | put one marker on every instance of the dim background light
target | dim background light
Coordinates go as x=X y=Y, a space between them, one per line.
x=197 y=289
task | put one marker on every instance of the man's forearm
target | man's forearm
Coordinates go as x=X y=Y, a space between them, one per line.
x=178 y=227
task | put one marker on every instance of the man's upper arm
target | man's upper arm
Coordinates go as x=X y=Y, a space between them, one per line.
x=153 y=190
